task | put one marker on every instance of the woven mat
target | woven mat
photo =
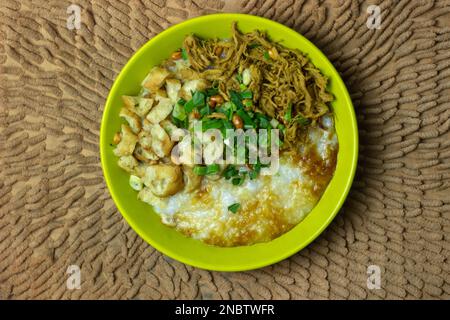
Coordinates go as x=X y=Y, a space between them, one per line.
x=56 y=210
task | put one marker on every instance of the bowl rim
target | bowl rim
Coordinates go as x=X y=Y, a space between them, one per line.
x=295 y=248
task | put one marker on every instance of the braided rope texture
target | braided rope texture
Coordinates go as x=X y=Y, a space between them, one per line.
x=55 y=209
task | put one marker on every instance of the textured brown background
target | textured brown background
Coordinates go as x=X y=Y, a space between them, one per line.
x=55 y=209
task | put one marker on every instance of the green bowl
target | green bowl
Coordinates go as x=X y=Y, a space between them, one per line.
x=141 y=217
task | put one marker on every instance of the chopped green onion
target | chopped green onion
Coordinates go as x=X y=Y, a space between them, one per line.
x=198 y=99
x=227 y=109
x=179 y=112
x=179 y=123
x=212 y=92
x=239 y=77
x=256 y=170
x=246 y=118
x=211 y=124
x=288 y=114
x=206 y=170
x=229 y=172
x=200 y=170
x=228 y=105
x=248 y=103
x=266 y=55
x=260 y=116
x=184 y=54
x=264 y=123
x=242 y=87
x=181 y=101
x=237 y=181
x=227 y=124
x=253 y=174
x=212 y=169
x=234 y=207
x=246 y=94
x=189 y=106
x=204 y=111
x=236 y=99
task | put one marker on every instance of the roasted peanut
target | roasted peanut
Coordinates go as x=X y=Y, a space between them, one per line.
x=195 y=114
x=216 y=100
x=176 y=55
x=273 y=53
x=237 y=122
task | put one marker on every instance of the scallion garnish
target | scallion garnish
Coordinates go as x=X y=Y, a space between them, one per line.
x=264 y=123
x=212 y=169
x=239 y=107
x=212 y=91
x=211 y=124
x=179 y=123
x=234 y=207
x=198 y=99
x=227 y=124
x=248 y=103
x=227 y=108
x=236 y=99
x=179 y=112
x=288 y=114
x=184 y=54
x=189 y=106
x=200 y=170
x=246 y=118
x=239 y=77
x=204 y=111
x=229 y=172
x=237 y=181
x=246 y=94
x=206 y=170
